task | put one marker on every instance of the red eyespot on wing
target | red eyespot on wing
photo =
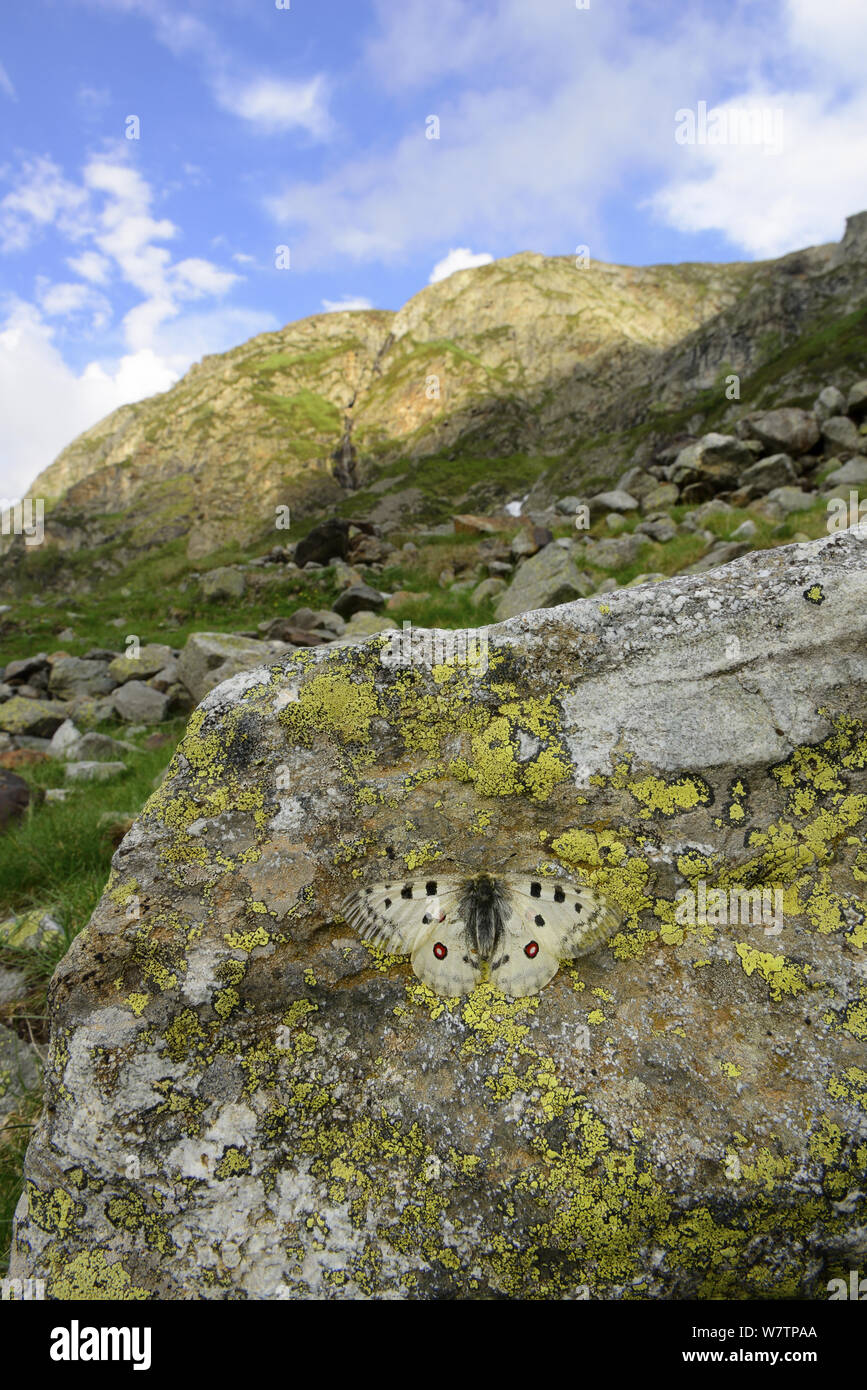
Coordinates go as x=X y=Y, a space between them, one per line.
x=531 y=949
x=440 y=951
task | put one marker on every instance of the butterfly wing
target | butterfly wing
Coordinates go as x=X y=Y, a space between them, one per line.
x=398 y=914
x=441 y=959
x=550 y=921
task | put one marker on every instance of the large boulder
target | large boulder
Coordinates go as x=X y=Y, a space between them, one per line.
x=246 y=1101
x=211 y=657
x=789 y=430
x=546 y=579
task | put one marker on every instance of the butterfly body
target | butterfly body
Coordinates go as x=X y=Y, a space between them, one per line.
x=511 y=928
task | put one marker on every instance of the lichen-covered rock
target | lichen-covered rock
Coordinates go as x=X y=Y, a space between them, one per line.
x=23 y=715
x=150 y=659
x=244 y=1100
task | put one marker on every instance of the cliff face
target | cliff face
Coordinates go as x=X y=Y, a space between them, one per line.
x=531 y=359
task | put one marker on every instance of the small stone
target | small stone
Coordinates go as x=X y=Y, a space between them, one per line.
x=829 y=402
x=224 y=582
x=839 y=432
x=135 y=702
x=358 y=598
x=93 y=771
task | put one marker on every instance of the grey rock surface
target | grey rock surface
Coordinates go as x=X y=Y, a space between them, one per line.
x=547 y=578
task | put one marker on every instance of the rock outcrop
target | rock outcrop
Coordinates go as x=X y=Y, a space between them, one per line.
x=244 y=1100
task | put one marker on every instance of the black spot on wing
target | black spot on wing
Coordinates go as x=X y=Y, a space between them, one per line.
x=539 y=920
x=431 y=888
x=406 y=890
x=535 y=890
x=559 y=895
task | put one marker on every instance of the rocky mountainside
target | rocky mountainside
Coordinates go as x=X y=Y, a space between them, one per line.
x=528 y=375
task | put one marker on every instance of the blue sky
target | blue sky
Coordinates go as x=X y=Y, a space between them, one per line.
x=122 y=261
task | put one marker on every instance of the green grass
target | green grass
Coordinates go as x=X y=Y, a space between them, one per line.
x=58 y=856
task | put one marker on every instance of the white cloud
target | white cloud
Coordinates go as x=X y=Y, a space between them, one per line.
x=6 y=84
x=69 y=298
x=349 y=301
x=42 y=198
x=272 y=105
x=459 y=258
x=760 y=199
x=90 y=265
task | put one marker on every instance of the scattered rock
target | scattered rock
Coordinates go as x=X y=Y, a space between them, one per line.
x=477 y=525
x=545 y=580
x=568 y=506
x=137 y=703
x=617 y=552
x=712 y=463
x=359 y=598
x=71 y=676
x=488 y=589
x=780 y=501
x=329 y=540
x=788 y=430
x=777 y=470
x=839 y=432
x=363 y=625
x=152 y=657
x=720 y=554
x=64 y=738
x=225 y=582
x=856 y=405
x=17 y=672
x=22 y=757
x=345 y=575
x=614 y=501
x=14 y=797
x=211 y=657
x=659 y=528
x=853 y=473
x=745 y=531
x=658 y=498
x=33 y=929
x=94 y=771
x=829 y=402
x=25 y=716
